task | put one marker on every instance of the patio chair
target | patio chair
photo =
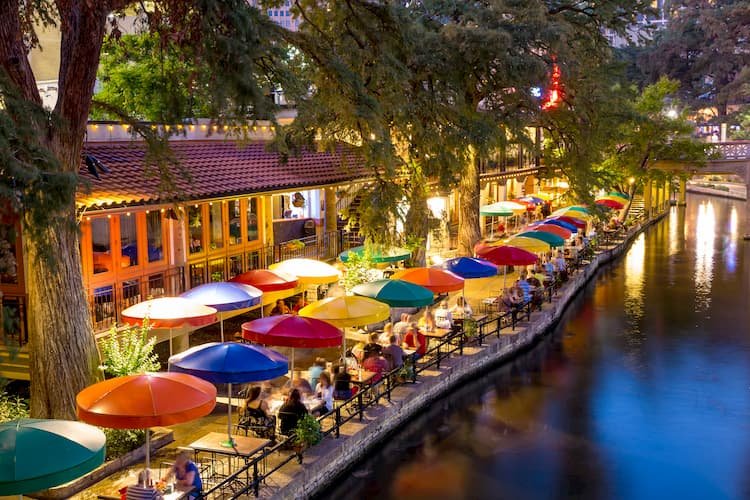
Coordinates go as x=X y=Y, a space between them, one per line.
x=256 y=421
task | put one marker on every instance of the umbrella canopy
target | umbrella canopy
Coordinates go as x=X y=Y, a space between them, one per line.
x=39 y=454
x=553 y=229
x=557 y=222
x=288 y=330
x=574 y=211
x=470 y=268
x=390 y=255
x=552 y=239
x=309 y=271
x=266 y=280
x=170 y=312
x=502 y=209
x=346 y=311
x=611 y=202
x=437 y=280
x=618 y=194
x=146 y=400
x=230 y=363
x=528 y=244
x=509 y=256
x=571 y=219
x=532 y=199
x=224 y=296
x=396 y=293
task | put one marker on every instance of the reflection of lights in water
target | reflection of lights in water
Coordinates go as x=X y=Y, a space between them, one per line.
x=634 y=262
x=674 y=235
x=705 y=237
x=730 y=254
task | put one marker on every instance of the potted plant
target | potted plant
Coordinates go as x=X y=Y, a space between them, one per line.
x=306 y=434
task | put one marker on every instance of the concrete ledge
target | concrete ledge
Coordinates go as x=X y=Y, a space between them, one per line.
x=715 y=192
x=326 y=466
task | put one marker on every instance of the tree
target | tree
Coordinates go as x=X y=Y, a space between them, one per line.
x=40 y=151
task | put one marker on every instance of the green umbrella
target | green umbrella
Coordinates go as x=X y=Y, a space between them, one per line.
x=39 y=454
x=395 y=254
x=618 y=194
x=396 y=293
x=495 y=210
x=552 y=239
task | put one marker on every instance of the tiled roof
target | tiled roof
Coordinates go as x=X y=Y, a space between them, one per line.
x=218 y=168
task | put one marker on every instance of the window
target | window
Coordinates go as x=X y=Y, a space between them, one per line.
x=8 y=257
x=195 y=228
x=216 y=270
x=128 y=241
x=235 y=222
x=215 y=226
x=100 y=245
x=155 y=236
x=197 y=274
x=252 y=219
x=235 y=265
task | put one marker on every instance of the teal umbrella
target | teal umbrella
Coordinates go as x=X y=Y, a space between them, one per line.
x=395 y=293
x=549 y=238
x=495 y=210
x=395 y=254
x=39 y=454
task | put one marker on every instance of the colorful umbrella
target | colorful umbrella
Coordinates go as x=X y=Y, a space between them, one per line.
x=532 y=199
x=146 y=400
x=309 y=271
x=502 y=209
x=508 y=256
x=396 y=293
x=610 y=202
x=39 y=454
x=571 y=219
x=169 y=312
x=552 y=239
x=224 y=297
x=266 y=280
x=618 y=194
x=391 y=255
x=554 y=229
x=437 y=280
x=470 y=268
x=557 y=222
x=530 y=205
x=574 y=211
x=347 y=311
x=528 y=244
x=230 y=363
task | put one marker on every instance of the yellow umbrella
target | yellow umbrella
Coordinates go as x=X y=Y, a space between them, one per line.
x=530 y=244
x=308 y=271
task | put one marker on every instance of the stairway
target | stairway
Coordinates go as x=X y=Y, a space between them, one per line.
x=349 y=221
x=14 y=362
x=636 y=207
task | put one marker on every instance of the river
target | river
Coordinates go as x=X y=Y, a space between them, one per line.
x=642 y=391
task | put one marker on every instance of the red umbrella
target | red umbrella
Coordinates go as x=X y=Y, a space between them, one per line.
x=530 y=206
x=571 y=220
x=267 y=280
x=507 y=256
x=432 y=278
x=146 y=400
x=288 y=330
x=610 y=203
x=553 y=229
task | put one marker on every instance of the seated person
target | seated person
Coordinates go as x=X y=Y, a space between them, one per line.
x=143 y=490
x=377 y=364
x=394 y=353
x=358 y=352
x=187 y=477
x=342 y=383
x=372 y=346
x=254 y=411
x=386 y=334
x=416 y=340
x=510 y=300
x=462 y=310
x=324 y=391
x=280 y=308
x=400 y=327
x=291 y=413
x=315 y=370
x=299 y=304
x=443 y=316
x=524 y=286
x=301 y=385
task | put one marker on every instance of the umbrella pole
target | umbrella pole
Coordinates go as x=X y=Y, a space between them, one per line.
x=170 y=341
x=229 y=443
x=148 y=449
x=221 y=327
x=292 y=374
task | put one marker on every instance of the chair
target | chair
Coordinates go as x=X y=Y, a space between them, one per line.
x=256 y=421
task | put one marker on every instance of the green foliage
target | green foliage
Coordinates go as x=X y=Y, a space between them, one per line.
x=307 y=433
x=12 y=407
x=122 y=441
x=130 y=351
x=358 y=269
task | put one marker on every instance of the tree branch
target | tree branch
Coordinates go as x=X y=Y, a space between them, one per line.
x=13 y=53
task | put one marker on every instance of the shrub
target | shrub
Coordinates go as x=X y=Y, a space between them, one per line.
x=129 y=351
x=307 y=433
x=121 y=441
x=12 y=407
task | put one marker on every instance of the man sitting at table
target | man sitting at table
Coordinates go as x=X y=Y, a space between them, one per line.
x=291 y=413
x=186 y=474
x=416 y=340
x=462 y=309
x=443 y=317
x=372 y=347
x=400 y=327
x=376 y=364
x=394 y=353
x=342 y=383
x=144 y=490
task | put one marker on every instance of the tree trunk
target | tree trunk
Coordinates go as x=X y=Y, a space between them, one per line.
x=469 y=231
x=417 y=223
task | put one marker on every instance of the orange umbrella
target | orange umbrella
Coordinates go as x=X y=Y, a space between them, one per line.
x=433 y=278
x=146 y=400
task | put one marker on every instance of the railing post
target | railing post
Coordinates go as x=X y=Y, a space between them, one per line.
x=337 y=425
x=388 y=386
x=361 y=405
x=256 y=480
x=438 y=355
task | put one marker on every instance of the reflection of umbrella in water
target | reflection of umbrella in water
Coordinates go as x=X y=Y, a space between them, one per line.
x=230 y=363
x=224 y=297
x=289 y=330
x=146 y=400
x=39 y=454
x=170 y=312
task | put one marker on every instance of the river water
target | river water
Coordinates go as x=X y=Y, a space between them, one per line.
x=642 y=391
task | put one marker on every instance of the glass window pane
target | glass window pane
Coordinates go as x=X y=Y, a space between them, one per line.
x=252 y=219
x=195 y=228
x=100 y=245
x=235 y=265
x=216 y=270
x=128 y=241
x=214 y=222
x=155 y=236
x=197 y=274
x=235 y=231
x=8 y=261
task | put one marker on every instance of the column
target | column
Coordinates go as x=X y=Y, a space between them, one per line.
x=330 y=220
x=647 y=188
x=667 y=194
x=268 y=220
x=682 y=201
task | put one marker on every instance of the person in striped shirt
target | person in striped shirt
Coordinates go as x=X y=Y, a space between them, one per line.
x=144 y=490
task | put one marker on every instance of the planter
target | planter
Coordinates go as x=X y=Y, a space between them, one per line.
x=159 y=439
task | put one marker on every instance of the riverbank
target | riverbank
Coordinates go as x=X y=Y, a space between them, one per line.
x=734 y=194
x=332 y=458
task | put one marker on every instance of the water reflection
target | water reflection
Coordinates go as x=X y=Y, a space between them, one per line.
x=730 y=254
x=634 y=262
x=705 y=237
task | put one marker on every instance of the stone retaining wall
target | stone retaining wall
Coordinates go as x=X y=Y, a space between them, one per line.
x=315 y=476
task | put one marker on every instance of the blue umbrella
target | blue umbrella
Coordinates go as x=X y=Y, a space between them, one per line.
x=230 y=363
x=224 y=297
x=570 y=227
x=469 y=267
